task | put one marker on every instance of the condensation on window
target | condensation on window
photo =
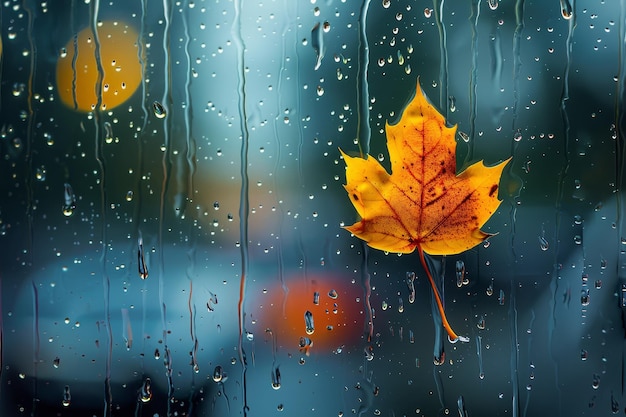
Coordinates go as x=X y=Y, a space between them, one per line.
x=173 y=210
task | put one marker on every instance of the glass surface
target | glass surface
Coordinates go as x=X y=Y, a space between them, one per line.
x=172 y=203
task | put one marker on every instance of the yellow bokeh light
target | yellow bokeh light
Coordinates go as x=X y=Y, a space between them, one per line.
x=119 y=57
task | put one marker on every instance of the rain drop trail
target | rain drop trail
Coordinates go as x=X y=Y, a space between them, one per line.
x=277 y=160
x=363 y=132
x=166 y=164
x=244 y=204
x=94 y=9
x=496 y=61
x=479 y=353
x=367 y=291
x=127 y=330
x=620 y=151
x=473 y=102
x=317 y=42
x=529 y=349
x=190 y=145
x=28 y=156
x=460 y=403
x=1 y=328
x=514 y=351
x=36 y=344
x=443 y=56
x=561 y=186
x=141 y=259
x=138 y=193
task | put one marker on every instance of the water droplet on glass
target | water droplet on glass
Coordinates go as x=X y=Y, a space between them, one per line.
x=428 y=13
x=501 y=298
x=543 y=243
x=493 y=4
x=410 y=283
x=67 y=397
x=218 y=374
x=308 y=322
x=316 y=298
x=56 y=362
x=386 y=4
x=452 y=101
x=517 y=136
x=595 y=381
x=603 y=263
x=305 y=345
x=157 y=354
x=481 y=323
x=566 y=9
x=489 y=289
x=584 y=297
x=69 y=204
x=400 y=305
x=146 y=391
x=108 y=132
x=212 y=302
x=40 y=174
x=276 y=378
x=333 y=294
x=460 y=273
x=159 y=110
x=141 y=259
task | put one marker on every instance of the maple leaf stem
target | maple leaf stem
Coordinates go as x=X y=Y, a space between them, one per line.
x=453 y=336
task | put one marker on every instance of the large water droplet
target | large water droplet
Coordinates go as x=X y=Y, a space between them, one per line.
x=158 y=110
x=308 y=322
x=67 y=397
x=146 y=391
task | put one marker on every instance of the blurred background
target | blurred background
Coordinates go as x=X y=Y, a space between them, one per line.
x=171 y=203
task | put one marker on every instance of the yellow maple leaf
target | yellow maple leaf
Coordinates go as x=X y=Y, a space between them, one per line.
x=423 y=204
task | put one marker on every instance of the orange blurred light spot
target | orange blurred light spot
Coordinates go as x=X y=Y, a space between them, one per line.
x=333 y=303
x=76 y=83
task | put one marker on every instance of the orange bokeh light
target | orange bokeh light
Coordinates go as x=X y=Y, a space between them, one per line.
x=119 y=56
x=338 y=315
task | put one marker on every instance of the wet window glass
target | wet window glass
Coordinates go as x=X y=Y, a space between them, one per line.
x=312 y=207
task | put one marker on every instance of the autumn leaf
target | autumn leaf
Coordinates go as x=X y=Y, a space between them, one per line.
x=423 y=204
